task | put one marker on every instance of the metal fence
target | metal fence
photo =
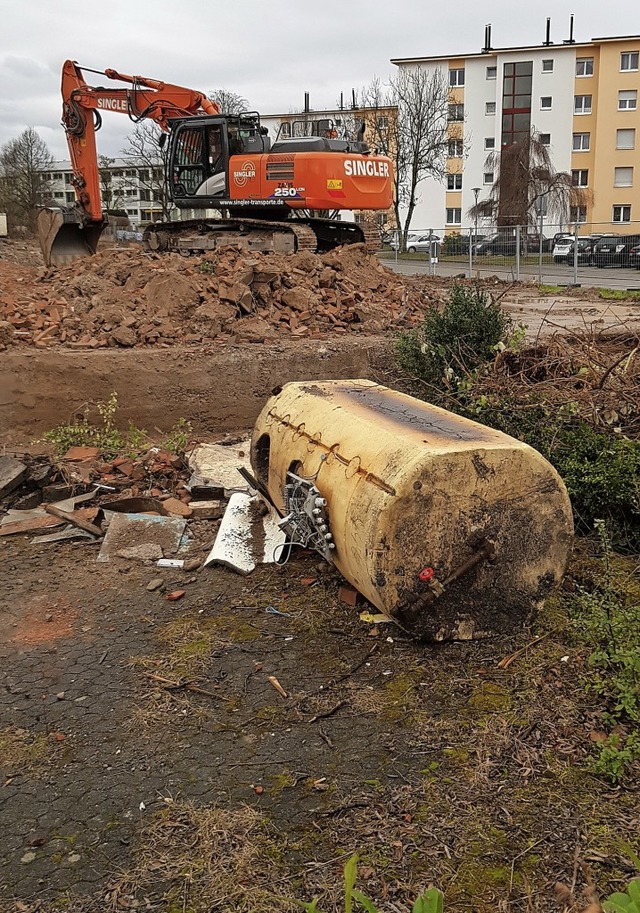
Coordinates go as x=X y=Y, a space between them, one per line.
x=591 y=254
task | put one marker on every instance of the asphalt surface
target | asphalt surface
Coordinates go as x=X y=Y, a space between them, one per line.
x=552 y=274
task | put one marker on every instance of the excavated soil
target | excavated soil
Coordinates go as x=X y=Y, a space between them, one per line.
x=128 y=297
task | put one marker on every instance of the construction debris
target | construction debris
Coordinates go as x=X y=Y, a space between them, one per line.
x=143 y=537
x=12 y=472
x=129 y=297
x=247 y=536
x=215 y=469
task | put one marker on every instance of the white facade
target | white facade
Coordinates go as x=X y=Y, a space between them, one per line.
x=130 y=189
x=482 y=94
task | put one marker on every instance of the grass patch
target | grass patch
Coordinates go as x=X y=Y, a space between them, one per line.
x=199 y=859
x=23 y=751
x=618 y=294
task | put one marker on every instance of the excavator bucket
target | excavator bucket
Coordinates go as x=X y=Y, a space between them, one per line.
x=63 y=238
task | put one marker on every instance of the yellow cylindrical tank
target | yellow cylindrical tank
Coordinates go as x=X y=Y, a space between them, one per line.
x=453 y=528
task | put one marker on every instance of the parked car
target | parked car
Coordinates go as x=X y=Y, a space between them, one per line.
x=563 y=250
x=459 y=243
x=562 y=244
x=634 y=256
x=505 y=244
x=614 y=250
x=395 y=240
x=422 y=244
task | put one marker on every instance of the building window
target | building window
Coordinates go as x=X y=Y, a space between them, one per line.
x=454 y=182
x=143 y=175
x=578 y=214
x=582 y=104
x=516 y=102
x=581 y=142
x=132 y=212
x=59 y=195
x=544 y=139
x=547 y=66
x=456 y=148
x=490 y=107
x=145 y=196
x=489 y=142
x=70 y=197
x=580 y=177
x=487 y=177
x=546 y=103
x=626 y=139
x=623 y=177
x=628 y=100
x=454 y=216
x=492 y=72
x=382 y=122
x=622 y=213
x=584 y=66
x=130 y=174
x=456 y=113
x=57 y=176
x=456 y=77
x=629 y=60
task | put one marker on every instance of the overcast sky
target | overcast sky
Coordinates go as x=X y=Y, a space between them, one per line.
x=269 y=51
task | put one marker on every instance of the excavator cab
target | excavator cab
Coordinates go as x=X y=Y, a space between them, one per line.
x=199 y=153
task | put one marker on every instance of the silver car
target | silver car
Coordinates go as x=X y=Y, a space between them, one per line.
x=422 y=244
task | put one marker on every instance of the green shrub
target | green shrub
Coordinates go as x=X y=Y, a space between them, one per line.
x=94 y=426
x=454 y=341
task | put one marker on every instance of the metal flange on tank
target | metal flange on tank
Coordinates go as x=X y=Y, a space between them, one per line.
x=454 y=529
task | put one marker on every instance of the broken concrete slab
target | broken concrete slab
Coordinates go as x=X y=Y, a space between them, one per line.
x=247 y=537
x=128 y=531
x=216 y=466
x=12 y=473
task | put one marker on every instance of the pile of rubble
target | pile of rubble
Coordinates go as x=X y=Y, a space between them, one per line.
x=133 y=298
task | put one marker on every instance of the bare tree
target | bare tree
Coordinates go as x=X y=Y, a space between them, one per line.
x=524 y=176
x=111 y=191
x=229 y=102
x=24 y=179
x=145 y=153
x=414 y=129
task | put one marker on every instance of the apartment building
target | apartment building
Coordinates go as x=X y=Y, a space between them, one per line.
x=581 y=98
x=136 y=191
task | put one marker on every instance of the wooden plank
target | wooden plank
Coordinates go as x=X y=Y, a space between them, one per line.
x=27 y=526
x=74 y=519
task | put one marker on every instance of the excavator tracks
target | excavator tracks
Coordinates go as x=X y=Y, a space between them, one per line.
x=198 y=236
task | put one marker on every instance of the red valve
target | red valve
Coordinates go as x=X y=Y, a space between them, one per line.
x=426 y=574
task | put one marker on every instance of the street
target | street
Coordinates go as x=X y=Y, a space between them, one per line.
x=552 y=274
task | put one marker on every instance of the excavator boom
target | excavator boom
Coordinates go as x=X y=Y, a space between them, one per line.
x=272 y=196
x=66 y=235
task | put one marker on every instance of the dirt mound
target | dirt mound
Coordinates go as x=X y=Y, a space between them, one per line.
x=127 y=297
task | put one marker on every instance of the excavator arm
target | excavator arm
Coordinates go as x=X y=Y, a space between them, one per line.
x=66 y=235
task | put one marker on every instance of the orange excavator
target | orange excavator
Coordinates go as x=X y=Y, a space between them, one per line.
x=283 y=196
